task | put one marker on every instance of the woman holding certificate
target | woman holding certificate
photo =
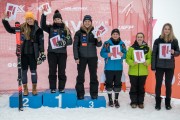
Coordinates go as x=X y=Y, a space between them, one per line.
x=138 y=58
x=59 y=39
x=32 y=49
x=113 y=52
x=165 y=48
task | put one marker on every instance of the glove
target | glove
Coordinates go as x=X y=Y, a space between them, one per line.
x=61 y=43
x=41 y=58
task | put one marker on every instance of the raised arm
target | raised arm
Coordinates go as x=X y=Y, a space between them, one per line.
x=8 y=27
x=44 y=26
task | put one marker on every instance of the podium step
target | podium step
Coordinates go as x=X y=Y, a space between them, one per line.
x=87 y=102
x=68 y=99
x=62 y=100
x=28 y=101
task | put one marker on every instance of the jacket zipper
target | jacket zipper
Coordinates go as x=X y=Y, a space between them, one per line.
x=138 y=67
x=87 y=42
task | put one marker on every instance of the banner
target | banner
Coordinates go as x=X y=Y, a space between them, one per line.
x=128 y=16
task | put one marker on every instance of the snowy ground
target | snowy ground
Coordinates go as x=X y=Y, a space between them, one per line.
x=125 y=112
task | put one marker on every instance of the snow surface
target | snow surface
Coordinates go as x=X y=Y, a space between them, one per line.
x=125 y=112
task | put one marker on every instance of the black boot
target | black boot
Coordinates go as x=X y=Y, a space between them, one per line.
x=116 y=103
x=110 y=100
x=168 y=103
x=158 y=103
x=111 y=103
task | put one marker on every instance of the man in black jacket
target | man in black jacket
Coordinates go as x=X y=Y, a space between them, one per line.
x=32 y=49
x=85 y=52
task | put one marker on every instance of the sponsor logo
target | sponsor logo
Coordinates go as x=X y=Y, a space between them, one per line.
x=21 y=8
x=128 y=8
x=10 y=65
x=126 y=27
x=74 y=9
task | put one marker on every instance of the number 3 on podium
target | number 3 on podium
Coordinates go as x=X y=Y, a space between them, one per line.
x=91 y=104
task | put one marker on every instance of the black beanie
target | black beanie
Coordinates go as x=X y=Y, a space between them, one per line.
x=87 y=17
x=57 y=15
x=115 y=31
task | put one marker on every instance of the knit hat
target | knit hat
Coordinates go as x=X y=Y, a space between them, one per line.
x=115 y=31
x=87 y=17
x=57 y=15
x=29 y=15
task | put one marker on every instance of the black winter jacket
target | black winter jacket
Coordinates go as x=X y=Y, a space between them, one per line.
x=164 y=63
x=85 y=51
x=37 y=35
x=61 y=30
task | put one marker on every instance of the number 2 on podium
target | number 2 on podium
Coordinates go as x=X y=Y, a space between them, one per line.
x=26 y=101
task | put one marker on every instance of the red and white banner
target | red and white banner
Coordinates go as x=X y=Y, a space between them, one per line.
x=128 y=16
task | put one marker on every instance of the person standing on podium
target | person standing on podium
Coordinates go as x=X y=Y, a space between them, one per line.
x=32 y=48
x=85 y=52
x=59 y=39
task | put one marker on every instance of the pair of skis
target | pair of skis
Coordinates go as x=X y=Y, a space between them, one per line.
x=18 y=53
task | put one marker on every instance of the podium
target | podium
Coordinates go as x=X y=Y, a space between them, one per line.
x=87 y=102
x=62 y=100
x=28 y=101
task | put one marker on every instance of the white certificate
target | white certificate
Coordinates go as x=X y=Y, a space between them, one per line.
x=100 y=30
x=165 y=51
x=115 y=49
x=11 y=11
x=139 y=56
x=54 y=41
x=46 y=8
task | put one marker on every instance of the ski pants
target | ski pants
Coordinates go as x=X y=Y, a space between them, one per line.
x=113 y=80
x=57 y=60
x=137 y=91
x=81 y=67
x=28 y=60
x=160 y=72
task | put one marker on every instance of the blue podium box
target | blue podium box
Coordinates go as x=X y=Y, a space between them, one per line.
x=62 y=100
x=28 y=101
x=87 y=102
